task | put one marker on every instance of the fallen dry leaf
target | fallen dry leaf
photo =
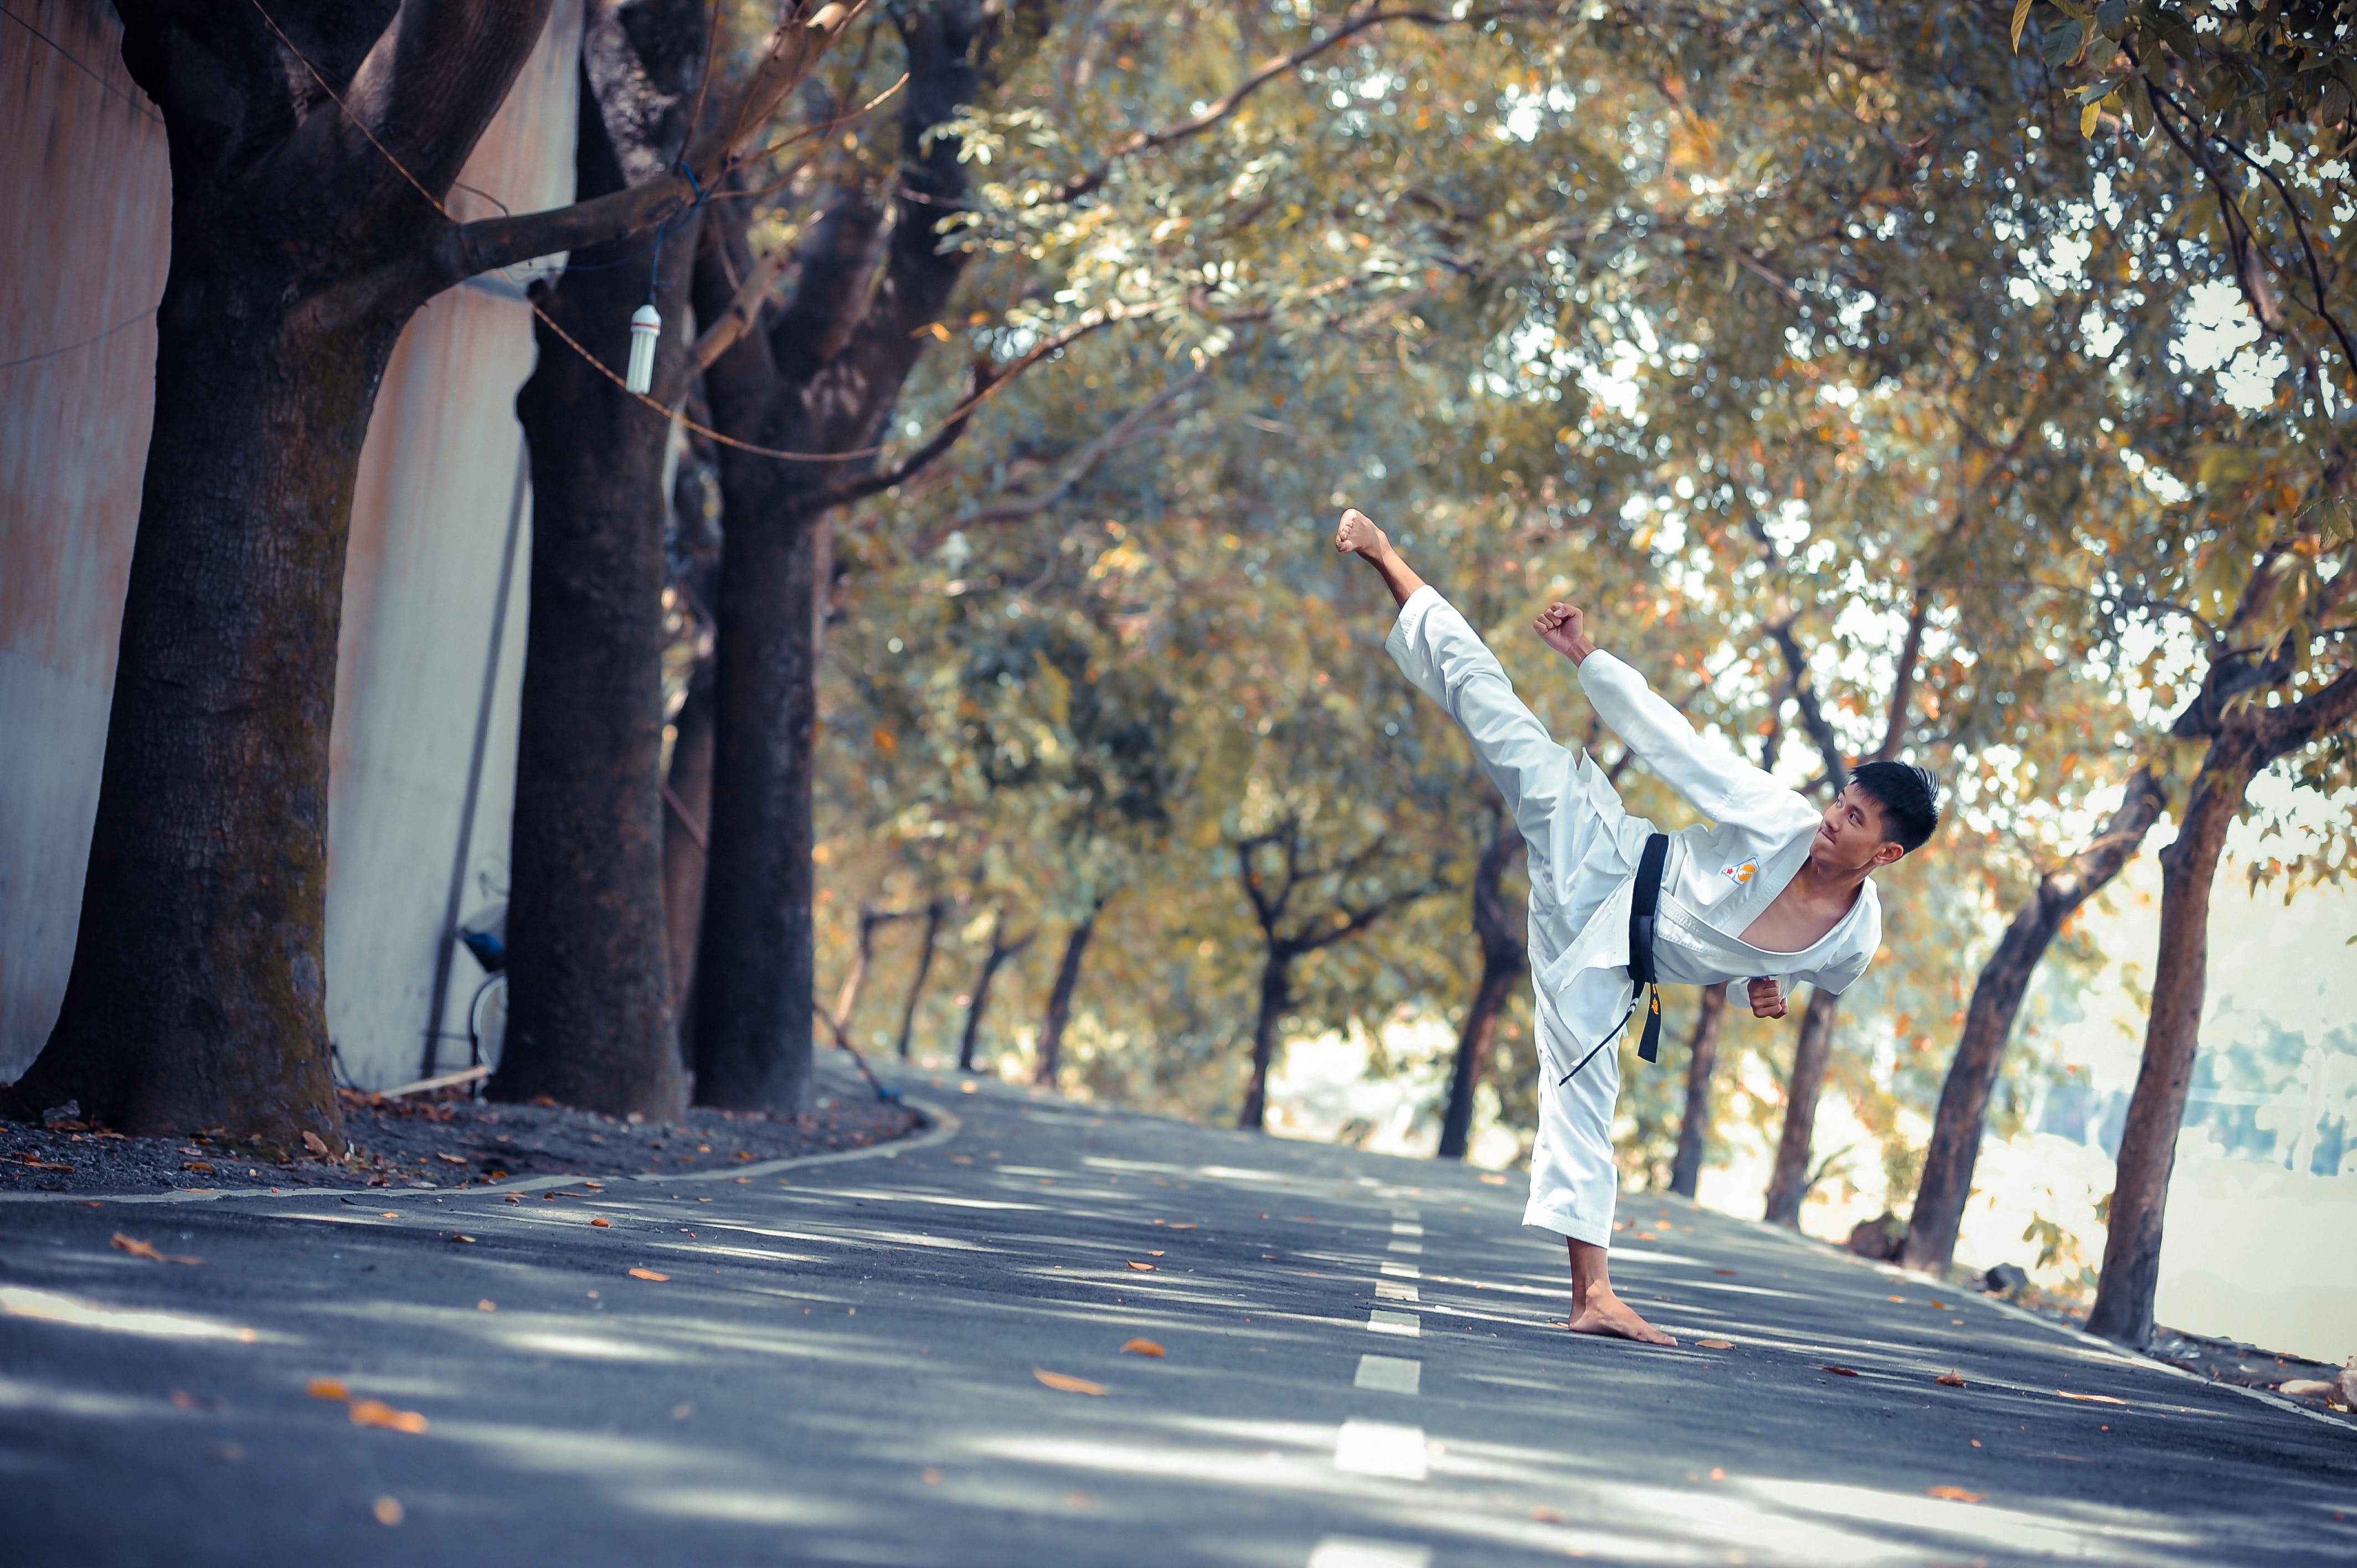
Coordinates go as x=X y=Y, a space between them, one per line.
x=487 y=1306
x=449 y=1159
x=2089 y=1398
x=1155 y=1254
x=327 y=1389
x=602 y=1223
x=1142 y=1268
x=467 y=1239
x=1949 y=1380
x=1068 y=1385
x=1722 y=1271
x=513 y=1198
x=1840 y=1371
x=1548 y=1516
x=932 y=1473
x=138 y=1249
x=1942 y=1305
x=39 y=1164
x=389 y=1214
x=318 y=1146
x=1189 y=1225
x=376 y=1413
x=1143 y=1347
x=647 y=1274
x=1493 y=1181
x=388 y=1511
x=1953 y=1494
x=204 y=1165
x=1715 y=1344
x=1900 y=1299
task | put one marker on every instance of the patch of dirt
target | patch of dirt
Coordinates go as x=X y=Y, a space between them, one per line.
x=442 y=1140
x=2231 y=1362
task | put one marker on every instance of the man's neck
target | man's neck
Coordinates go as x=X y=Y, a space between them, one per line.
x=1830 y=886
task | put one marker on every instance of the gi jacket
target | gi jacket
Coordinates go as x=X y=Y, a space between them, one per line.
x=1583 y=846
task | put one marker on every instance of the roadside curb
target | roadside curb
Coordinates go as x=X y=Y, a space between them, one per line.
x=944 y=1125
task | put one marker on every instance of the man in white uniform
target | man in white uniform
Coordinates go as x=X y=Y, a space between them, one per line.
x=1774 y=892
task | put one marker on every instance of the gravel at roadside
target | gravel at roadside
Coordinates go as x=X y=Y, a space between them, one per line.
x=443 y=1140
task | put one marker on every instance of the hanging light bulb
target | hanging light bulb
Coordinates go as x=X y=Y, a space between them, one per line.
x=646 y=326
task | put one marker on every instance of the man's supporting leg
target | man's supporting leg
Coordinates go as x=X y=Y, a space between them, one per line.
x=1595 y=1309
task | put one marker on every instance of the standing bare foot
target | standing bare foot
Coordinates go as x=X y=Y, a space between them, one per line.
x=1606 y=1313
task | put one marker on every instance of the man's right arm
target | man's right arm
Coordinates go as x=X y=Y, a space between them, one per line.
x=1718 y=783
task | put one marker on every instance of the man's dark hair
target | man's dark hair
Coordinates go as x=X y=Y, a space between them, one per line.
x=1910 y=799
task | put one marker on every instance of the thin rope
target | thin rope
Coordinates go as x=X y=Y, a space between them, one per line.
x=33 y=359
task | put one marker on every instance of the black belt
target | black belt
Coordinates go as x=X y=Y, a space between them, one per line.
x=1643 y=918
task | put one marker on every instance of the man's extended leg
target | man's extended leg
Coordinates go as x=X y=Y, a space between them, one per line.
x=1595 y=1309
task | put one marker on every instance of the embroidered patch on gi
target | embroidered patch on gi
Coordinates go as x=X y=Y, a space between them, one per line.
x=1741 y=873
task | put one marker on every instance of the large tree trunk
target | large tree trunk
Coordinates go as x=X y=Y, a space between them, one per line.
x=1505 y=960
x=197 y=993
x=1276 y=1000
x=1947 y=1181
x=2131 y=1270
x=687 y=801
x=1702 y=1061
x=1060 y=999
x=589 y=1019
x=821 y=375
x=1790 y=1182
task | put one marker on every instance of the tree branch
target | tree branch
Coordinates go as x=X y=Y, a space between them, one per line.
x=795 y=51
x=1813 y=714
x=1084 y=461
x=1902 y=690
x=1147 y=141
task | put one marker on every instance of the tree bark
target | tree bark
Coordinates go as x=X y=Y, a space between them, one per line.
x=197 y=996
x=1000 y=951
x=1505 y=960
x=822 y=377
x=1702 y=1061
x=590 y=1020
x=1275 y=998
x=687 y=803
x=1790 y=1182
x=1956 y=1129
x=934 y=909
x=2122 y=1308
x=1060 y=999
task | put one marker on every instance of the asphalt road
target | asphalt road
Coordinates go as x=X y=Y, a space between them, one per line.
x=843 y=1366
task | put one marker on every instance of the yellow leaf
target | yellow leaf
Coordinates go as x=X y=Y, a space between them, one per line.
x=376 y=1413
x=2021 y=21
x=2087 y=118
x=1068 y=1385
x=647 y=1274
x=1715 y=1344
x=602 y=1223
x=138 y=1249
x=327 y=1389
x=1143 y=1347
x=1142 y=1268
x=1953 y=1494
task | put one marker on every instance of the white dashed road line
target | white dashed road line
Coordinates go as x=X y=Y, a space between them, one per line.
x=1389 y=1374
x=1380 y=1448
x=1393 y=1290
x=1405 y=1324
x=1406 y=1228
x=1349 y=1552
x=1415 y=1248
x=1403 y=1271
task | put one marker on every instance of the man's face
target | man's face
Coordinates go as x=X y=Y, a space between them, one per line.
x=1851 y=839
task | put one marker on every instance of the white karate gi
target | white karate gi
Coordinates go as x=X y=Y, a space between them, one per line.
x=1583 y=852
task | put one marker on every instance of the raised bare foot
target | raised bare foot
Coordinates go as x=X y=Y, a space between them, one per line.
x=1607 y=1314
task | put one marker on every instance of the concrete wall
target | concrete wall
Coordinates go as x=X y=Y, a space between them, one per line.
x=83 y=206
x=439 y=516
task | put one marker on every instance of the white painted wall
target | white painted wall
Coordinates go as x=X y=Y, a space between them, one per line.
x=86 y=206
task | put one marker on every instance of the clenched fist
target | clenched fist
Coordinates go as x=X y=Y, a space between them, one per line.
x=1766 y=998
x=1357 y=533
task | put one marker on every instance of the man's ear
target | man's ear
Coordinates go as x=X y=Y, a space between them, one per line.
x=1889 y=852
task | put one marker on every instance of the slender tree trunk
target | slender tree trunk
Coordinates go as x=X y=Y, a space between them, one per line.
x=847 y=1001
x=590 y=1020
x=197 y=996
x=2131 y=1270
x=1060 y=999
x=688 y=807
x=1000 y=951
x=1790 y=1183
x=1505 y=960
x=1276 y=1001
x=934 y=909
x=1956 y=1130
x=1702 y=1061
